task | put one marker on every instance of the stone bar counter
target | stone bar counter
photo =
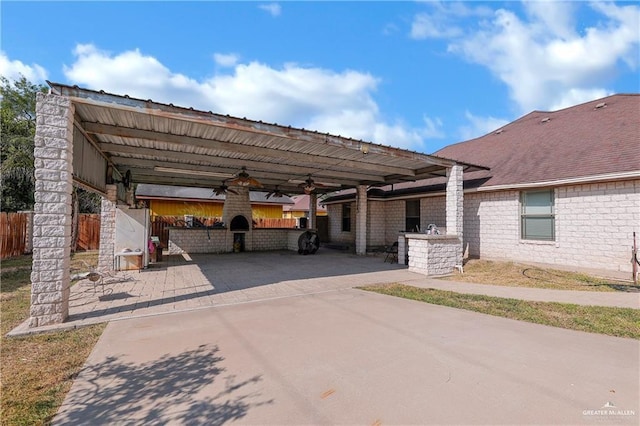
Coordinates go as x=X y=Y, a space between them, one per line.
x=429 y=254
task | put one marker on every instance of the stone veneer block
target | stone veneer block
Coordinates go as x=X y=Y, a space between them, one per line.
x=433 y=254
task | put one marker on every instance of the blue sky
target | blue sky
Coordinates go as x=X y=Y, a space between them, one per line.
x=418 y=75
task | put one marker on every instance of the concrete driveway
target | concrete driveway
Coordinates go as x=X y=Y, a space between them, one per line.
x=351 y=357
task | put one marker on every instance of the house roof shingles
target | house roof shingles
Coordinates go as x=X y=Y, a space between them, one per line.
x=574 y=142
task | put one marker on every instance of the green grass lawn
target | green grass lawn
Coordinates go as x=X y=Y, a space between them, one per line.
x=37 y=371
x=620 y=322
x=514 y=274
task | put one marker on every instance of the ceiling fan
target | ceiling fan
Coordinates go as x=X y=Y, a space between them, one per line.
x=309 y=185
x=224 y=189
x=126 y=180
x=243 y=179
x=276 y=193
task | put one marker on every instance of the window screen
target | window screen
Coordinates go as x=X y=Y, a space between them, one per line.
x=538 y=215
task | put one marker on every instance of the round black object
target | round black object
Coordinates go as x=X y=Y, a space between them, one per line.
x=308 y=243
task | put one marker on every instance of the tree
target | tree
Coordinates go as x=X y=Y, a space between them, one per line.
x=17 y=131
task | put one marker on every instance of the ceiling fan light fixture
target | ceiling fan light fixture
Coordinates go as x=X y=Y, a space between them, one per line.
x=245 y=180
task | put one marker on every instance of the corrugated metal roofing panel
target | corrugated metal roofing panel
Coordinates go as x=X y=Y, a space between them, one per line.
x=122 y=125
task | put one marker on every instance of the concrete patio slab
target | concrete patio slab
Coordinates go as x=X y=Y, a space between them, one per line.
x=202 y=281
x=351 y=357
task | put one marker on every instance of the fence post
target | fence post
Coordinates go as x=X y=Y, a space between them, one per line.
x=28 y=237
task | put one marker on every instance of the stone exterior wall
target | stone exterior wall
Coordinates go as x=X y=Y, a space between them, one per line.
x=271 y=239
x=335 y=225
x=53 y=152
x=376 y=235
x=594 y=226
x=395 y=213
x=433 y=255
x=194 y=240
x=432 y=210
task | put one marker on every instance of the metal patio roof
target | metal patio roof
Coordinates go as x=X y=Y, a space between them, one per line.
x=171 y=145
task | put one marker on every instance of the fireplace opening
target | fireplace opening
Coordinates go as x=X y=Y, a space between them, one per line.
x=238 y=242
x=239 y=223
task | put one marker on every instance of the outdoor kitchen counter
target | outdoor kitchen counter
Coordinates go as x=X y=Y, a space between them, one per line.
x=430 y=254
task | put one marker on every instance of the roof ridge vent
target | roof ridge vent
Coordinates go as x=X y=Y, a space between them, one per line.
x=601 y=105
x=545 y=120
x=499 y=131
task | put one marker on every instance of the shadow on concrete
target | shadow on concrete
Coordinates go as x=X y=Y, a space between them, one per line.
x=239 y=271
x=117 y=392
x=137 y=305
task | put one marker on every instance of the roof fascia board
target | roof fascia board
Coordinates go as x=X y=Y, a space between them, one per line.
x=568 y=181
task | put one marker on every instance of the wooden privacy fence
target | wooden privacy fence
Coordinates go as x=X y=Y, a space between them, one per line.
x=275 y=223
x=14 y=234
x=88 y=232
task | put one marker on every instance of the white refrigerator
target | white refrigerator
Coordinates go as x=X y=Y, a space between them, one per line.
x=132 y=236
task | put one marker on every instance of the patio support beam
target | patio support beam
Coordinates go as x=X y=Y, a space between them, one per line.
x=361 y=220
x=108 y=229
x=53 y=161
x=454 y=206
x=313 y=203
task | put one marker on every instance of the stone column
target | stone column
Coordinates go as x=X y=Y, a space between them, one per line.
x=403 y=250
x=361 y=220
x=108 y=229
x=454 y=205
x=313 y=210
x=53 y=161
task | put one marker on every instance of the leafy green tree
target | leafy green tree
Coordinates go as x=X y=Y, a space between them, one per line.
x=17 y=131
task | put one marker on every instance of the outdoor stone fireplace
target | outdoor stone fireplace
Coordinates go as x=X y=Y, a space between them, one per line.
x=237 y=235
x=237 y=217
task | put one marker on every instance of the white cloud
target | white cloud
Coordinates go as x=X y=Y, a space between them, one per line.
x=428 y=26
x=12 y=70
x=273 y=8
x=442 y=20
x=309 y=97
x=545 y=61
x=132 y=73
x=556 y=18
x=479 y=126
x=226 y=59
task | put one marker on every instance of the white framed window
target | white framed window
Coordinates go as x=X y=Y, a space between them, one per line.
x=537 y=215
